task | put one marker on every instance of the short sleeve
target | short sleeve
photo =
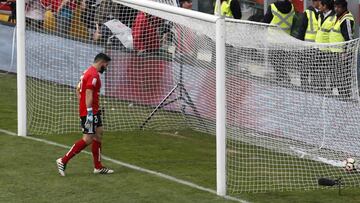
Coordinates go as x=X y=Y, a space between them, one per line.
x=92 y=82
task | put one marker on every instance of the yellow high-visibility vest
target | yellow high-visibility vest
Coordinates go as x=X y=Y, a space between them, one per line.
x=335 y=33
x=322 y=35
x=284 y=21
x=225 y=9
x=312 y=27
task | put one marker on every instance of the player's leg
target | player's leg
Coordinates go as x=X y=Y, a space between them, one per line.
x=96 y=147
x=77 y=147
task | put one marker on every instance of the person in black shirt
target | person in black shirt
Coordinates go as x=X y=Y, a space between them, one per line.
x=12 y=17
x=235 y=9
x=104 y=36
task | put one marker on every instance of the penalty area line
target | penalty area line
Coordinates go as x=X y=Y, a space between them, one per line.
x=137 y=168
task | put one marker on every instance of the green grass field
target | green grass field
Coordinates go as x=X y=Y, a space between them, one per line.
x=28 y=172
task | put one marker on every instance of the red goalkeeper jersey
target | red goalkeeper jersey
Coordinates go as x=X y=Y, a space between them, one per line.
x=89 y=80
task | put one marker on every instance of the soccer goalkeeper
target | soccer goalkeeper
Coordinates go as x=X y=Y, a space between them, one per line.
x=88 y=91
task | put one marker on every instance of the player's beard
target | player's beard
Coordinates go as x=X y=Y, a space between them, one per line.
x=102 y=69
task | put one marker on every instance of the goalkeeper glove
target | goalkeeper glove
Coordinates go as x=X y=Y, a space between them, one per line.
x=89 y=119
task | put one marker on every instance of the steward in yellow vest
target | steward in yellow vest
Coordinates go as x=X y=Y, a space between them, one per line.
x=229 y=8
x=281 y=13
x=343 y=29
x=309 y=23
x=307 y=32
x=326 y=21
x=320 y=73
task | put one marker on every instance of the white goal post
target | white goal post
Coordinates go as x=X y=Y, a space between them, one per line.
x=284 y=112
x=21 y=71
x=220 y=52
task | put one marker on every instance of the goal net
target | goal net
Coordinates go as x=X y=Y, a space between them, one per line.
x=292 y=106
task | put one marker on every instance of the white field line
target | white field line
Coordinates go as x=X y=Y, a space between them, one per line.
x=137 y=168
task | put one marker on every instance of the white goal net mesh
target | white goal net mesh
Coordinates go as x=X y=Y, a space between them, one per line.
x=292 y=107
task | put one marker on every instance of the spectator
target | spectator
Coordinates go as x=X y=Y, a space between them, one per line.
x=145 y=33
x=187 y=4
x=113 y=34
x=185 y=37
x=88 y=16
x=281 y=13
x=108 y=8
x=12 y=17
x=53 y=5
x=342 y=31
x=326 y=23
x=49 y=23
x=309 y=22
x=229 y=8
x=64 y=16
x=78 y=28
x=104 y=10
x=307 y=32
x=34 y=13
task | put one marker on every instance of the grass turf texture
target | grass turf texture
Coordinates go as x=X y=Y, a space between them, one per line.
x=29 y=173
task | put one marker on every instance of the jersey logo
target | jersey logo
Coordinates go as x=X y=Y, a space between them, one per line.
x=94 y=82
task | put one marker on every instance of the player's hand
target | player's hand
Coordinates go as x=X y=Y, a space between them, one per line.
x=89 y=118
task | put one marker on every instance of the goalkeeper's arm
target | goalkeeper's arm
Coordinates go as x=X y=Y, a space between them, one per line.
x=89 y=98
x=89 y=101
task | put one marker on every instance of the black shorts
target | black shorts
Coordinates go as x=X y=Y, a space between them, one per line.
x=97 y=122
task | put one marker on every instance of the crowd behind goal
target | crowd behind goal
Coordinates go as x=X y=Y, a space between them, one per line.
x=325 y=21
